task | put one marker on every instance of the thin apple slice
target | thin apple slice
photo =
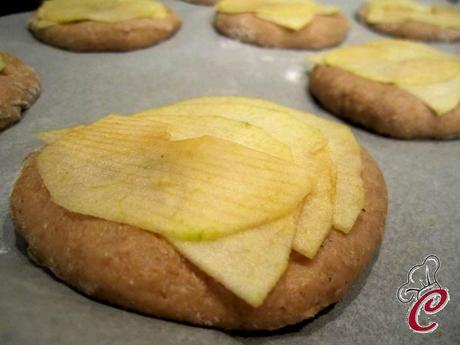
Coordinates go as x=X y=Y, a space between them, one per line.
x=344 y=150
x=303 y=140
x=346 y=154
x=395 y=61
x=315 y=221
x=243 y=133
x=186 y=127
x=51 y=136
x=116 y=123
x=248 y=263
x=124 y=170
x=112 y=11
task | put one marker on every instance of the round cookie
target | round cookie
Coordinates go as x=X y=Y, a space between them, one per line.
x=202 y=2
x=383 y=108
x=411 y=29
x=140 y=271
x=95 y=36
x=323 y=32
x=19 y=88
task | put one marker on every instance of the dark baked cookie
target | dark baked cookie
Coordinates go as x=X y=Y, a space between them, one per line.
x=19 y=88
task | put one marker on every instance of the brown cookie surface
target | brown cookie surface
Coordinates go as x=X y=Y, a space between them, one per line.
x=95 y=36
x=383 y=108
x=140 y=271
x=19 y=88
x=322 y=32
x=411 y=29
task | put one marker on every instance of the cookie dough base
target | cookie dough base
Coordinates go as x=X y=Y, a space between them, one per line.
x=19 y=88
x=322 y=32
x=412 y=29
x=99 y=36
x=382 y=108
x=140 y=271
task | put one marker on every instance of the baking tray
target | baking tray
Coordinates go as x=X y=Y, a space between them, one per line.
x=423 y=179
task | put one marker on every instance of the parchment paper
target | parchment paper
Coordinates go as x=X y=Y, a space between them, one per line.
x=423 y=179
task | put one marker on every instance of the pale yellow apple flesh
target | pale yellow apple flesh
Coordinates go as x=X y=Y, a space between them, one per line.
x=68 y=11
x=317 y=213
x=248 y=263
x=243 y=133
x=199 y=188
x=292 y=14
x=186 y=127
x=399 y=11
x=429 y=74
x=299 y=130
x=303 y=140
x=232 y=183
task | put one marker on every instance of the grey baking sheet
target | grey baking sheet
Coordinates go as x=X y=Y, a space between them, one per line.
x=423 y=179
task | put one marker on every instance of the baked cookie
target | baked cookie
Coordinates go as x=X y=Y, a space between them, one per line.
x=430 y=110
x=261 y=24
x=150 y=273
x=408 y=19
x=203 y=2
x=19 y=88
x=90 y=30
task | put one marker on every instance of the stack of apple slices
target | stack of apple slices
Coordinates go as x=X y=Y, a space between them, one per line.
x=427 y=73
x=291 y=14
x=234 y=184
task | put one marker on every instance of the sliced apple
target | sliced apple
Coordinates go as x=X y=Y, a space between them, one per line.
x=292 y=14
x=186 y=127
x=429 y=74
x=124 y=170
x=66 y=11
x=442 y=97
x=243 y=133
x=397 y=11
x=301 y=138
x=344 y=150
x=248 y=263
x=398 y=61
x=53 y=135
x=315 y=221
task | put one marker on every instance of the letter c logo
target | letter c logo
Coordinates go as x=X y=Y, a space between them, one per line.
x=431 y=305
